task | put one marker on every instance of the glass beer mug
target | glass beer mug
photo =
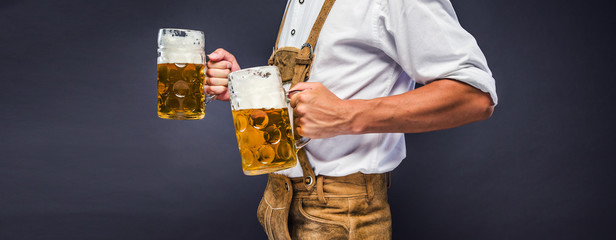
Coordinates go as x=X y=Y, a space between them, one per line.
x=263 y=125
x=181 y=74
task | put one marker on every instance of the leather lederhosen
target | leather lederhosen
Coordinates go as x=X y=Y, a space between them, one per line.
x=294 y=65
x=363 y=194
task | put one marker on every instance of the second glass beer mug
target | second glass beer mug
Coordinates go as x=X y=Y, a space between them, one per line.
x=181 y=74
x=263 y=126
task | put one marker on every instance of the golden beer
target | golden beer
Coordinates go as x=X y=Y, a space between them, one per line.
x=180 y=90
x=265 y=140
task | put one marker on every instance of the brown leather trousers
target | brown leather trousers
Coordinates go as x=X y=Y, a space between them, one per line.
x=349 y=207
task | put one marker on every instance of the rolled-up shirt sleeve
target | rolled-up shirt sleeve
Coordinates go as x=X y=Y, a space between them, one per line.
x=425 y=38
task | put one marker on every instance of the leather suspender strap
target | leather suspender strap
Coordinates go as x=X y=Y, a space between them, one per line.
x=303 y=62
x=318 y=24
x=316 y=27
x=281 y=25
x=301 y=71
x=305 y=56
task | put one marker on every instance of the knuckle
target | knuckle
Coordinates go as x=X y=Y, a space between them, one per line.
x=293 y=103
x=303 y=122
x=300 y=109
x=302 y=97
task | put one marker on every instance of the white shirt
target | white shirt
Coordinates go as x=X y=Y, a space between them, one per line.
x=376 y=48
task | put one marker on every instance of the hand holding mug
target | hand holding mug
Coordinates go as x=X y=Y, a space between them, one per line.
x=220 y=64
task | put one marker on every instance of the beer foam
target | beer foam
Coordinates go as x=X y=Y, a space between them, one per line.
x=182 y=38
x=181 y=46
x=256 y=88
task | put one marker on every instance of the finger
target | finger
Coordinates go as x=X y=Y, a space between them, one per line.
x=219 y=65
x=297 y=124
x=301 y=86
x=221 y=95
x=294 y=100
x=215 y=90
x=296 y=92
x=291 y=93
x=298 y=120
x=217 y=82
x=208 y=90
x=297 y=114
x=299 y=97
x=300 y=131
x=221 y=54
x=218 y=73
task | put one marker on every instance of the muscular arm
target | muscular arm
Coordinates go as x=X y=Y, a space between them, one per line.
x=319 y=113
x=438 y=105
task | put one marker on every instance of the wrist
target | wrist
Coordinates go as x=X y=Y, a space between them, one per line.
x=357 y=113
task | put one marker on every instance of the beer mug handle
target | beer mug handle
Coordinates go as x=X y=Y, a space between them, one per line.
x=299 y=143
x=209 y=98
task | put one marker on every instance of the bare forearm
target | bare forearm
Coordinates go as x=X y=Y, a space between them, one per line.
x=439 y=105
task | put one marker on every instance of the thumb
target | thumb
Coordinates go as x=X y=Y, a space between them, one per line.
x=222 y=54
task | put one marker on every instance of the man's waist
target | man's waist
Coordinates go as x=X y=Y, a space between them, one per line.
x=353 y=185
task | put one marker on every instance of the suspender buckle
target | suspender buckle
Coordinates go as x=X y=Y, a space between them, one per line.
x=309 y=47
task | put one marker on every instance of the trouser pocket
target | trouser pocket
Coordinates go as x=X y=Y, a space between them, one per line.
x=273 y=211
x=311 y=219
x=350 y=207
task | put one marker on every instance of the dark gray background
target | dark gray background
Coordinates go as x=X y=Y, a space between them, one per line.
x=83 y=155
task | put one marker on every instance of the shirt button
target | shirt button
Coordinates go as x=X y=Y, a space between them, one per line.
x=292 y=32
x=301 y=1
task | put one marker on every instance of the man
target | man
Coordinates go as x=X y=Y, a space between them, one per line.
x=360 y=99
